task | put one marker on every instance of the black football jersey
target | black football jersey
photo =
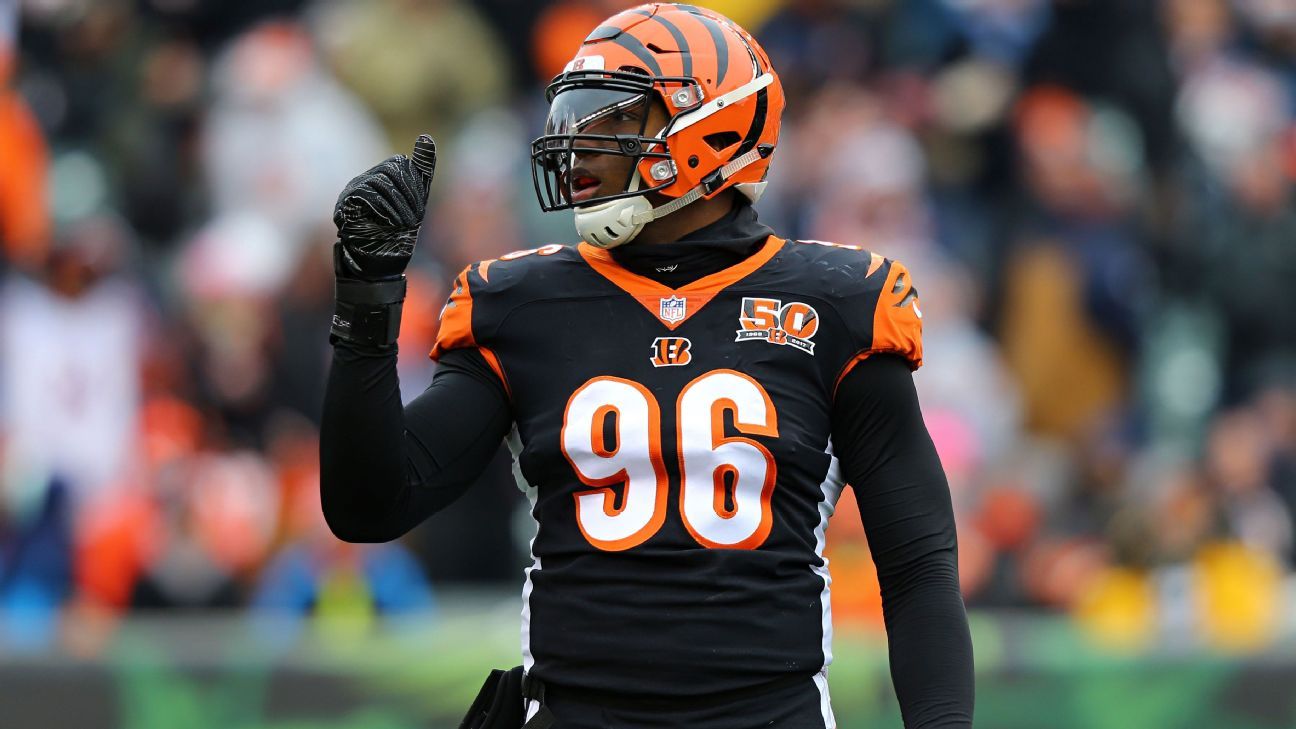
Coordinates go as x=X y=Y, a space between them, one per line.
x=675 y=447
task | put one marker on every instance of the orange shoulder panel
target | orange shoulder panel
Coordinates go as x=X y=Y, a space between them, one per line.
x=897 y=321
x=455 y=330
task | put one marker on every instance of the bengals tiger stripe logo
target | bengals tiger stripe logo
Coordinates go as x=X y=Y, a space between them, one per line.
x=671 y=351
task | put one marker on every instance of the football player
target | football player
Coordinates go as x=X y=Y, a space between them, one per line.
x=684 y=392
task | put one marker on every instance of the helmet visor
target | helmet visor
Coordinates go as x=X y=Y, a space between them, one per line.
x=592 y=110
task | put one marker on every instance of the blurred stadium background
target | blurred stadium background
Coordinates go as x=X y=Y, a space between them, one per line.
x=1095 y=197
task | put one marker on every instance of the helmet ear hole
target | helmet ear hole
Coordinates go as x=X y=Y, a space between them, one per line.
x=722 y=140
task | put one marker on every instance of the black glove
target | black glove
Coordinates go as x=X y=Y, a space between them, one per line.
x=378 y=216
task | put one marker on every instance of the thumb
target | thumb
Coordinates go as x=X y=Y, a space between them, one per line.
x=424 y=156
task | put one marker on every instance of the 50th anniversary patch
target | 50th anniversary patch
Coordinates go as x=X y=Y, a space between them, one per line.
x=792 y=324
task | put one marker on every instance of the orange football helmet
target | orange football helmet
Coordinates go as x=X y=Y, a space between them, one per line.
x=724 y=104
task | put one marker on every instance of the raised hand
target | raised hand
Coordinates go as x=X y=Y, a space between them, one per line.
x=379 y=212
x=378 y=216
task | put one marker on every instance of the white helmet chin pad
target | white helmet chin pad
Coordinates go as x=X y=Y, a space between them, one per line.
x=752 y=190
x=617 y=222
x=613 y=223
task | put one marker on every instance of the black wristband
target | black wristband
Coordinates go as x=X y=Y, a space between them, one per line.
x=367 y=312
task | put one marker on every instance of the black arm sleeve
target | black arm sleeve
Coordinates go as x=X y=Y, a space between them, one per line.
x=383 y=467
x=888 y=457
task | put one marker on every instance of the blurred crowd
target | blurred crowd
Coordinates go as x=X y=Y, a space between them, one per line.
x=1095 y=197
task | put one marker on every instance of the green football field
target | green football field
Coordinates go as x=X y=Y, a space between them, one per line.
x=1034 y=672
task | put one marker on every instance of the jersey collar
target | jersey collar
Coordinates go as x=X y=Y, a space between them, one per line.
x=706 y=250
x=673 y=306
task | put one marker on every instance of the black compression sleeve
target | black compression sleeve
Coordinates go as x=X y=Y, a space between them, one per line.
x=384 y=468
x=888 y=457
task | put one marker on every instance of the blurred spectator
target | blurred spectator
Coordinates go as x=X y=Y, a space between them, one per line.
x=1074 y=283
x=218 y=515
x=72 y=346
x=1238 y=217
x=153 y=146
x=865 y=183
x=187 y=537
x=449 y=63
x=230 y=276
x=282 y=137
x=1112 y=53
x=1238 y=458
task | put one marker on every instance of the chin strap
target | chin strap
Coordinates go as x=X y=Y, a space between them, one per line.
x=619 y=221
x=709 y=184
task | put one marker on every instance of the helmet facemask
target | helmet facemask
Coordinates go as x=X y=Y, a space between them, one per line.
x=594 y=113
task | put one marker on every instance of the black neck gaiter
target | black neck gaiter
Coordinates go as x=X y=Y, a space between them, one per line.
x=700 y=253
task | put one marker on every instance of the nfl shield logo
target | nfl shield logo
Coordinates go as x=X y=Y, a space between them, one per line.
x=673 y=309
